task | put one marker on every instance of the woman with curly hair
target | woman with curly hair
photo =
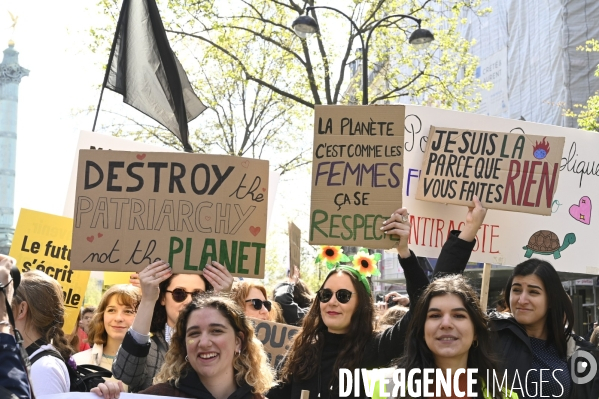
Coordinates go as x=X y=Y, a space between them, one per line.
x=339 y=330
x=165 y=295
x=113 y=317
x=38 y=308
x=214 y=353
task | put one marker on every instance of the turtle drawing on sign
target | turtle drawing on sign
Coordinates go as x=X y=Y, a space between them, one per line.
x=545 y=242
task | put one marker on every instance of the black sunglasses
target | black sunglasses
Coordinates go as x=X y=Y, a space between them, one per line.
x=179 y=294
x=343 y=295
x=258 y=304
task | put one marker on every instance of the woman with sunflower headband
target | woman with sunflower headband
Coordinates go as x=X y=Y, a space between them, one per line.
x=338 y=331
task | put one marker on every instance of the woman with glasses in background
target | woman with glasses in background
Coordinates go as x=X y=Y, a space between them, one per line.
x=251 y=297
x=338 y=331
x=164 y=296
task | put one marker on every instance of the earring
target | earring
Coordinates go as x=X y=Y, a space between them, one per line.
x=475 y=344
x=238 y=352
x=186 y=359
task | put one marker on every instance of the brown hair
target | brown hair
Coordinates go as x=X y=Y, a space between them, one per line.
x=87 y=309
x=392 y=316
x=251 y=365
x=127 y=295
x=303 y=359
x=46 y=311
x=241 y=290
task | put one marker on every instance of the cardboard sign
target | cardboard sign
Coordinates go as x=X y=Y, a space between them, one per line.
x=357 y=173
x=566 y=239
x=295 y=244
x=512 y=172
x=92 y=141
x=276 y=338
x=42 y=242
x=133 y=208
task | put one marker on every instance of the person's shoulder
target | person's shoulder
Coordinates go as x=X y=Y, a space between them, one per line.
x=83 y=357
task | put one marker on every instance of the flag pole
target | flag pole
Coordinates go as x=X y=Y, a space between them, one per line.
x=110 y=58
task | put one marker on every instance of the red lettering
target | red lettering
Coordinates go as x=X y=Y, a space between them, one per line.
x=549 y=187
x=450 y=228
x=494 y=236
x=522 y=182
x=510 y=181
x=424 y=232
x=530 y=182
x=440 y=225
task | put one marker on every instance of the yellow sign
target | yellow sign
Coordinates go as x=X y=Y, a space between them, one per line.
x=42 y=242
x=112 y=278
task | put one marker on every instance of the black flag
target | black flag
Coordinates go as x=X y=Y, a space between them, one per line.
x=143 y=68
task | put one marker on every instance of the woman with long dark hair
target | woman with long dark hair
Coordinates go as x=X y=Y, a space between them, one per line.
x=449 y=331
x=338 y=331
x=164 y=296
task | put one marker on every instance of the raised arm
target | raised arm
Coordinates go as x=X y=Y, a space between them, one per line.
x=459 y=245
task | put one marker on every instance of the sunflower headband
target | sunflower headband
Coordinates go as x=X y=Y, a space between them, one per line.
x=362 y=264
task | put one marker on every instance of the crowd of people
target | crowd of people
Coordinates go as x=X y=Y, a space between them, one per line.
x=190 y=335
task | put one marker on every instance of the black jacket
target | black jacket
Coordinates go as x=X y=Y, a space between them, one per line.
x=293 y=313
x=190 y=386
x=513 y=344
x=13 y=376
x=382 y=348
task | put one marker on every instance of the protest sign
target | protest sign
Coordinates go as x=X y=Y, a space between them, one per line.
x=93 y=141
x=506 y=171
x=357 y=174
x=276 y=338
x=43 y=242
x=133 y=208
x=295 y=243
x=508 y=238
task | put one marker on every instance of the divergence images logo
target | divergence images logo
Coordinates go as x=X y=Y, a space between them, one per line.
x=583 y=367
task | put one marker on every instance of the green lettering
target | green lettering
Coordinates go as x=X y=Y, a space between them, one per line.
x=224 y=259
x=374 y=230
x=332 y=225
x=343 y=219
x=314 y=223
x=367 y=227
x=242 y=257
x=356 y=225
x=186 y=265
x=172 y=250
x=259 y=247
x=208 y=252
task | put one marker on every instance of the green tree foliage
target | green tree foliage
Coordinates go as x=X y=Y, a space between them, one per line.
x=246 y=62
x=588 y=115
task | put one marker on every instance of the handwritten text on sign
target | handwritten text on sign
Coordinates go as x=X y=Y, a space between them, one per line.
x=132 y=208
x=357 y=173
x=42 y=242
x=506 y=171
x=275 y=337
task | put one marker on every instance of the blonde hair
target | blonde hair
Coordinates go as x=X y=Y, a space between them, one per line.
x=127 y=295
x=46 y=311
x=251 y=365
x=241 y=290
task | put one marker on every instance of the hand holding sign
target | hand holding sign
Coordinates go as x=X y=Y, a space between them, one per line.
x=151 y=277
x=399 y=224
x=474 y=219
x=219 y=277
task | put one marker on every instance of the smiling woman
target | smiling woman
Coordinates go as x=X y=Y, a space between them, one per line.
x=110 y=323
x=214 y=353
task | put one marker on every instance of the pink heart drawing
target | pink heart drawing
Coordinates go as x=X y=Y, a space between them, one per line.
x=90 y=238
x=582 y=211
x=100 y=235
x=207 y=217
x=245 y=164
x=141 y=156
x=254 y=230
x=263 y=189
